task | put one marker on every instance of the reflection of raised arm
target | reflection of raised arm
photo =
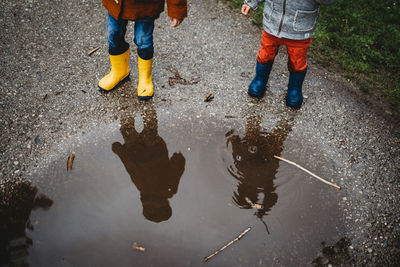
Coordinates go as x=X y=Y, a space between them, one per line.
x=177 y=166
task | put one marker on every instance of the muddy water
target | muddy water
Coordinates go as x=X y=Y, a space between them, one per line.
x=180 y=196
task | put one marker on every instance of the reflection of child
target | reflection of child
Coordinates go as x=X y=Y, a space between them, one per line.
x=144 y=13
x=254 y=164
x=154 y=173
x=289 y=23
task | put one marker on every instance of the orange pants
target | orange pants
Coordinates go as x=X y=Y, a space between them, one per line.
x=296 y=49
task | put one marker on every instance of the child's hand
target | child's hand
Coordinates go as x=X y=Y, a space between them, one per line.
x=175 y=22
x=245 y=9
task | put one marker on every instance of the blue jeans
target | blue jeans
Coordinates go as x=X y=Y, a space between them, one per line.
x=116 y=30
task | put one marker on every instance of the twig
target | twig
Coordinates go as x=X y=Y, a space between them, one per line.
x=93 y=50
x=307 y=171
x=138 y=247
x=254 y=206
x=227 y=245
x=265 y=224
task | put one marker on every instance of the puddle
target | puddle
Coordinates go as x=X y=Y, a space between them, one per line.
x=180 y=196
x=16 y=207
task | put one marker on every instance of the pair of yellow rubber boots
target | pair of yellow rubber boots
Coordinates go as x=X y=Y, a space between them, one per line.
x=120 y=71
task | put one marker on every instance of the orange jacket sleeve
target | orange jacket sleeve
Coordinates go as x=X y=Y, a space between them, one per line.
x=177 y=9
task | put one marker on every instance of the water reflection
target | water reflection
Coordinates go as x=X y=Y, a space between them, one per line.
x=254 y=165
x=17 y=200
x=336 y=255
x=145 y=156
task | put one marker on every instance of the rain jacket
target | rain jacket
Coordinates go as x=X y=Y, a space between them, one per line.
x=291 y=19
x=137 y=9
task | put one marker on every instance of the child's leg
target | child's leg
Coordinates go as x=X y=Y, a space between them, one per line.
x=116 y=30
x=297 y=51
x=144 y=37
x=265 y=59
x=144 y=41
x=118 y=50
x=269 y=48
x=297 y=65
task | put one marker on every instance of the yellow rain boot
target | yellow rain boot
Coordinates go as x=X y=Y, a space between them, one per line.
x=145 y=89
x=119 y=71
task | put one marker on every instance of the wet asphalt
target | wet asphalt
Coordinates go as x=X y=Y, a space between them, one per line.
x=50 y=103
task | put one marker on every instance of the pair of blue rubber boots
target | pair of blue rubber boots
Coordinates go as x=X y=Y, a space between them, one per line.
x=258 y=86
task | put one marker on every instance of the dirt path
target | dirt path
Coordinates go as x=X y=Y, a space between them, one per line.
x=50 y=100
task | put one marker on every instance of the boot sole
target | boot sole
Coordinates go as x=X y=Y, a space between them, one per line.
x=145 y=97
x=295 y=105
x=255 y=96
x=123 y=80
x=260 y=92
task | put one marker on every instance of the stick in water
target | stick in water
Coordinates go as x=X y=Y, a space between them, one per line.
x=227 y=245
x=307 y=171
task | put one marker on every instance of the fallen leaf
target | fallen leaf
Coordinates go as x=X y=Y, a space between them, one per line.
x=177 y=79
x=70 y=161
x=208 y=98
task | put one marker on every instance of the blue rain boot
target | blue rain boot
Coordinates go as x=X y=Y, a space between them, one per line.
x=294 y=97
x=259 y=84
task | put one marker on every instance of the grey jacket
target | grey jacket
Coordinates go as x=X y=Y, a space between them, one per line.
x=292 y=19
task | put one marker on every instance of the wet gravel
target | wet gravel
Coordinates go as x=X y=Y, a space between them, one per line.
x=50 y=100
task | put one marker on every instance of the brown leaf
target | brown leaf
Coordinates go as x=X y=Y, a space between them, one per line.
x=138 y=247
x=208 y=98
x=70 y=161
x=177 y=79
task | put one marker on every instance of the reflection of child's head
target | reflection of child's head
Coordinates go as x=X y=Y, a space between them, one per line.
x=156 y=208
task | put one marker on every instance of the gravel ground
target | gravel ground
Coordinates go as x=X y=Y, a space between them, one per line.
x=50 y=97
